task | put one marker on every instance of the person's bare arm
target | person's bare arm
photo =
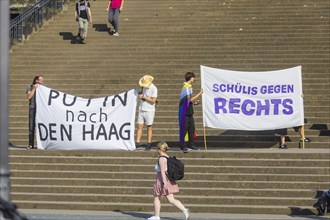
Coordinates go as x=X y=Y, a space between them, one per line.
x=122 y=5
x=107 y=9
x=162 y=164
x=32 y=92
x=194 y=98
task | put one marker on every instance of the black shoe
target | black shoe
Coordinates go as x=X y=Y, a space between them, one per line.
x=306 y=140
x=193 y=147
x=148 y=146
x=80 y=40
x=283 y=146
x=184 y=149
x=138 y=146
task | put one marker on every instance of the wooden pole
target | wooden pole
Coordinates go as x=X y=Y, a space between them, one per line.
x=205 y=145
x=303 y=136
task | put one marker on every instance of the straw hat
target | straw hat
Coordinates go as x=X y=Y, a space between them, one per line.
x=146 y=81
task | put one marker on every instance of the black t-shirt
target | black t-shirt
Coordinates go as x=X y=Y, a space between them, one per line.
x=190 y=109
x=83 y=6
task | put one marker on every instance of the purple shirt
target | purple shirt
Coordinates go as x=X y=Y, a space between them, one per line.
x=115 y=3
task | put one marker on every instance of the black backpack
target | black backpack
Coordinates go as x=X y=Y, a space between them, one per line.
x=175 y=168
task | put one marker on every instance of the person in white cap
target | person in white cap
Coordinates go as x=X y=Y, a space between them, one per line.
x=146 y=113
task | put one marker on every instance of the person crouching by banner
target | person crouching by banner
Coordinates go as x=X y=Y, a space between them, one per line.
x=146 y=114
x=283 y=132
x=31 y=96
x=186 y=113
x=83 y=15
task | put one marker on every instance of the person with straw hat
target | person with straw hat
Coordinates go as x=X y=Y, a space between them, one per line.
x=146 y=113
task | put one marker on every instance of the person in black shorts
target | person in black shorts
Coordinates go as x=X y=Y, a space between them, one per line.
x=284 y=131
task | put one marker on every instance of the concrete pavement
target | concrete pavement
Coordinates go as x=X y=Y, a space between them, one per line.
x=45 y=214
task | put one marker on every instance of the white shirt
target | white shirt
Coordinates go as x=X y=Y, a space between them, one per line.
x=150 y=92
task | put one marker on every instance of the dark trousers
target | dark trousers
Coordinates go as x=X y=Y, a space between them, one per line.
x=113 y=18
x=32 y=125
x=190 y=128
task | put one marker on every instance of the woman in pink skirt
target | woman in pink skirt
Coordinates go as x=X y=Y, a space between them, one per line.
x=164 y=187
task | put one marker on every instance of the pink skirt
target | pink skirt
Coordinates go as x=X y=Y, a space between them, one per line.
x=159 y=188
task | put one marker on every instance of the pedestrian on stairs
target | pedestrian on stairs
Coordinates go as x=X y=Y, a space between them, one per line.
x=83 y=15
x=113 y=9
x=31 y=96
x=163 y=186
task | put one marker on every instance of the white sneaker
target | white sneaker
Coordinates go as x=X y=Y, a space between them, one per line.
x=116 y=34
x=186 y=213
x=154 y=218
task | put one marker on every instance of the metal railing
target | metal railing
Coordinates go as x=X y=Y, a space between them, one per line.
x=35 y=16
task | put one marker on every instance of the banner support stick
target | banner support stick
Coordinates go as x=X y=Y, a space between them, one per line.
x=303 y=136
x=205 y=145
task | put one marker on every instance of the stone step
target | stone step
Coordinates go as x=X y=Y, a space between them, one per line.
x=288 y=193
x=63 y=32
x=130 y=48
x=129 y=79
x=147 y=207
x=214 y=140
x=174 y=143
x=145 y=160
x=190 y=176
x=96 y=190
x=152 y=67
x=122 y=198
x=257 y=154
x=191 y=168
x=167 y=45
x=183 y=184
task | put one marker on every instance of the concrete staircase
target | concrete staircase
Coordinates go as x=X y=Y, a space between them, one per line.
x=247 y=181
x=167 y=39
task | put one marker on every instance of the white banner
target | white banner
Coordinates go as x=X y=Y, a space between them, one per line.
x=72 y=123
x=252 y=100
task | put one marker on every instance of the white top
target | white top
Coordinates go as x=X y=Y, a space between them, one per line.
x=157 y=167
x=151 y=92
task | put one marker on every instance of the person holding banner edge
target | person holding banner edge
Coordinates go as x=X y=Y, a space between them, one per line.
x=146 y=114
x=31 y=96
x=186 y=113
x=283 y=132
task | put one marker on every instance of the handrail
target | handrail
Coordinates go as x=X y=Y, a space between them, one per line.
x=34 y=14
